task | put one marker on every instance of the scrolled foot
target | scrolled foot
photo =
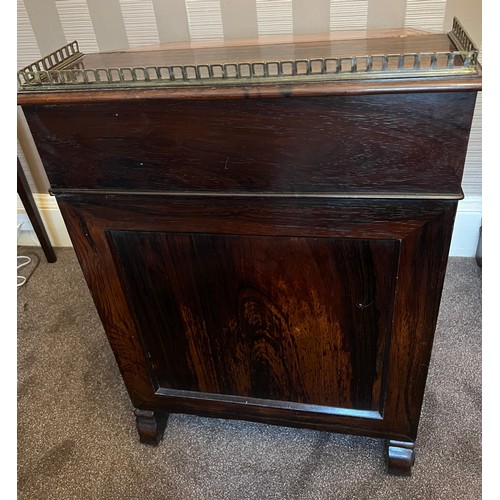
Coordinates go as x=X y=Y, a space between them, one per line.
x=150 y=426
x=400 y=457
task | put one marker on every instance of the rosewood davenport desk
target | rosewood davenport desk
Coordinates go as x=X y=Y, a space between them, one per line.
x=264 y=227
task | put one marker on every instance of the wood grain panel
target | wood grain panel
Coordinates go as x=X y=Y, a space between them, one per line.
x=290 y=319
x=421 y=230
x=404 y=143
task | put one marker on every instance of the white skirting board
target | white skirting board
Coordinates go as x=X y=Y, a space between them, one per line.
x=467 y=225
x=52 y=220
x=463 y=244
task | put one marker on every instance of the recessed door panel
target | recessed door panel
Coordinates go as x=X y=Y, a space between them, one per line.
x=295 y=319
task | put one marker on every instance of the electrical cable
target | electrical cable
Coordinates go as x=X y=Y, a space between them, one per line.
x=21 y=280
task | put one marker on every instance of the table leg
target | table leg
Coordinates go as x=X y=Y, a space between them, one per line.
x=24 y=192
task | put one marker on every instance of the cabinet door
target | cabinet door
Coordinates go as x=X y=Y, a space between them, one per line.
x=285 y=318
x=314 y=312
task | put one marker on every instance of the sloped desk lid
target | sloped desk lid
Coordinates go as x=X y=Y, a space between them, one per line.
x=330 y=59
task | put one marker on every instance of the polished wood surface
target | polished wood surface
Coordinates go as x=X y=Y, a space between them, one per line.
x=281 y=48
x=256 y=51
x=266 y=252
x=301 y=145
x=275 y=329
x=422 y=227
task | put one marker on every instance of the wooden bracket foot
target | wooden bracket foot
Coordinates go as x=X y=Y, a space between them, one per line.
x=150 y=426
x=400 y=457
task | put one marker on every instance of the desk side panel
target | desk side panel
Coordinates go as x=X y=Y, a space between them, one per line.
x=393 y=143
